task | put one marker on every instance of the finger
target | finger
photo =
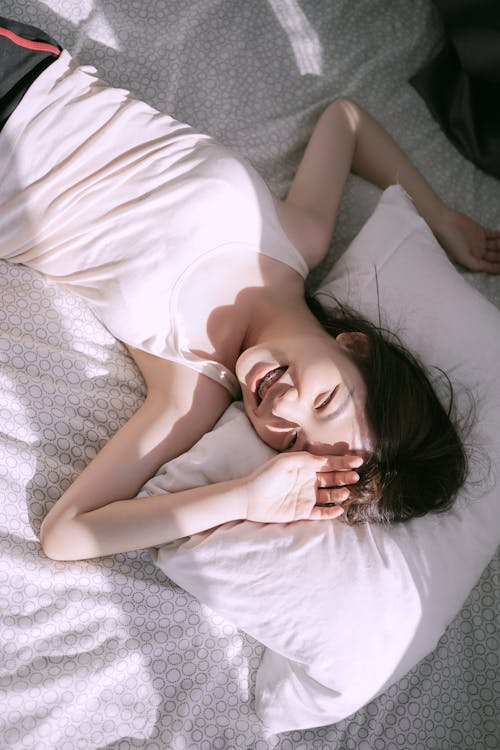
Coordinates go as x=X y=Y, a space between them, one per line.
x=337 y=478
x=493 y=242
x=325 y=513
x=490 y=266
x=332 y=495
x=472 y=264
x=492 y=253
x=338 y=463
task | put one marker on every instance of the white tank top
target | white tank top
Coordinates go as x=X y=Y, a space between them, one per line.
x=120 y=203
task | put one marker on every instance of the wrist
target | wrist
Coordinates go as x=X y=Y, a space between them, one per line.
x=243 y=491
x=436 y=218
x=201 y=508
x=233 y=500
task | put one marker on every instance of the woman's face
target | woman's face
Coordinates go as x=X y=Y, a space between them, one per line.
x=304 y=392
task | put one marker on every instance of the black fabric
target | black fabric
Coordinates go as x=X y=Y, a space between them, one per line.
x=20 y=66
x=461 y=84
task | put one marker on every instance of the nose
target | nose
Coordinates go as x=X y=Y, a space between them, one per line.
x=286 y=403
x=291 y=402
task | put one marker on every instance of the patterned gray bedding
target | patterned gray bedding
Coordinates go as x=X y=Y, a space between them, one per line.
x=110 y=653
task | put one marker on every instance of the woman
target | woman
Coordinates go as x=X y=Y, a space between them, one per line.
x=180 y=249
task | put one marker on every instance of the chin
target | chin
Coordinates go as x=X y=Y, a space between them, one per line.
x=251 y=418
x=248 y=407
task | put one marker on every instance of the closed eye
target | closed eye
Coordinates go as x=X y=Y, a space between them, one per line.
x=328 y=399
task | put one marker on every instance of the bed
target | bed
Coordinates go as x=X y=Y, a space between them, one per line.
x=112 y=653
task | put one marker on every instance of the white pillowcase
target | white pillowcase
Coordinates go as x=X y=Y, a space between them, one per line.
x=345 y=612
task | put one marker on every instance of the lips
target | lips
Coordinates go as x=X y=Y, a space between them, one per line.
x=264 y=384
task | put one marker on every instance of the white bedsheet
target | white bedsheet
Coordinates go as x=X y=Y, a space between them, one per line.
x=109 y=653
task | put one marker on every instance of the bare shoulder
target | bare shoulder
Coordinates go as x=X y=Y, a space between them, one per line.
x=173 y=383
x=180 y=407
x=156 y=371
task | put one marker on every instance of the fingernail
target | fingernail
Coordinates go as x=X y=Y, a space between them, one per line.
x=355 y=476
x=357 y=461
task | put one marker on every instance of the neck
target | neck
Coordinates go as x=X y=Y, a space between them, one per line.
x=273 y=311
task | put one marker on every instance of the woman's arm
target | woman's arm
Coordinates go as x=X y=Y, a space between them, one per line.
x=347 y=139
x=285 y=489
x=180 y=407
x=125 y=525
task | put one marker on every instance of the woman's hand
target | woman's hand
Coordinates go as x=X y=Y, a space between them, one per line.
x=300 y=486
x=468 y=243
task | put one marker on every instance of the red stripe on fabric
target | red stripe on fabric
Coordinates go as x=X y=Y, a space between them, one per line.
x=21 y=42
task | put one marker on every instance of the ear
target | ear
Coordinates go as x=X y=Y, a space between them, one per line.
x=355 y=343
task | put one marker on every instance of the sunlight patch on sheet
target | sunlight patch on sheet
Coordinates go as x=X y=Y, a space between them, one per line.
x=93 y=344
x=89 y=21
x=98 y=29
x=15 y=425
x=95 y=369
x=234 y=649
x=303 y=38
x=75 y=12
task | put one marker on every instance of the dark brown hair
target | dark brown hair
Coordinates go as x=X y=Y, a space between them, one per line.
x=418 y=461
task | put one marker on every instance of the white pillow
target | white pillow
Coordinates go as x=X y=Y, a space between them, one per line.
x=345 y=612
